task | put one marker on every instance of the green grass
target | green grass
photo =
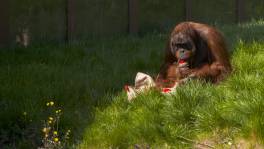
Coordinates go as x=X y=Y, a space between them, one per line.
x=76 y=77
x=233 y=108
x=86 y=79
x=196 y=108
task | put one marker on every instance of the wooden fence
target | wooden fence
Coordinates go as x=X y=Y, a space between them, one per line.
x=4 y=24
x=133 y=16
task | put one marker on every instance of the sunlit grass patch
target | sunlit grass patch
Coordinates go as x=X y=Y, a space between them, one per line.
x=235 y=107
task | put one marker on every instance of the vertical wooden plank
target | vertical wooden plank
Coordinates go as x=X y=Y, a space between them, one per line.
x=133 y=16
x=240 y=11
x=69 y=20
x=4 y=23
x=188 y=10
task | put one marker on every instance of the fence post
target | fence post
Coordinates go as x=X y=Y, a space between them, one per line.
x=188 y=8
x=240 y=11
x=4 y=24
x=133 y=16
x=69 y=20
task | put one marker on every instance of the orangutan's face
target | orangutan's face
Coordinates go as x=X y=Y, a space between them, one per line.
x=182 y=46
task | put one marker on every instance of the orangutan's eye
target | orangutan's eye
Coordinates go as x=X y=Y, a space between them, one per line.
x=189 y=46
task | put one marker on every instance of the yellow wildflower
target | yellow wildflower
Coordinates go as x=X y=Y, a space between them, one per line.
x=45 y=130
x=51 y=118
x=58 y=111
x=56 y=139
x=51 y=103
x=49 y=122
x=55 y=132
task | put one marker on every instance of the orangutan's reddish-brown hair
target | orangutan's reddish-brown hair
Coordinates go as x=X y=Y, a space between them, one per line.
x=208 y=56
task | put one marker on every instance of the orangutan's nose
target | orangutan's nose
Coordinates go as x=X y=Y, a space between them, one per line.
x=181 y=53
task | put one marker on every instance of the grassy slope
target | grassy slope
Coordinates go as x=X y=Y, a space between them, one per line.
x=86 y=80
x=236 y=106
x=217 y=114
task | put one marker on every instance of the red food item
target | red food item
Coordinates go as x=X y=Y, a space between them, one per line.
x=166 y=90
x=181 y=61
x=165 y=80
x=126 y=88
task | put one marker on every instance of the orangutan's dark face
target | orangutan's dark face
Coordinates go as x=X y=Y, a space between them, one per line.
x=182 y=46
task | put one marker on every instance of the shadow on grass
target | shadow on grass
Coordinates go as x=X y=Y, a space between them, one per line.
x=79 y=78
x=247 y=32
